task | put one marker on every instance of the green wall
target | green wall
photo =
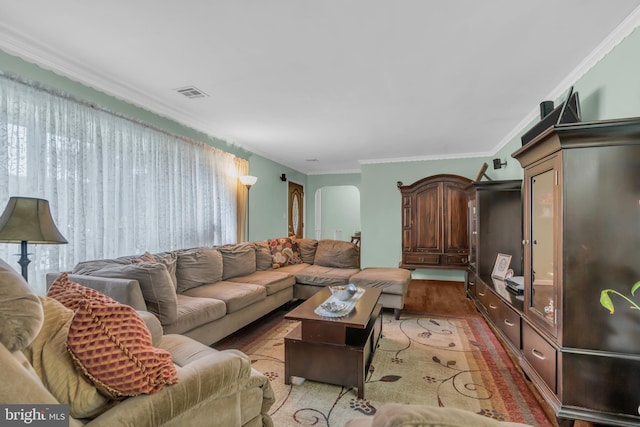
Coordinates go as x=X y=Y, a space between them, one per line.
x=315 y=182
x=611 y=89
x=268 y=198
x=340 y=206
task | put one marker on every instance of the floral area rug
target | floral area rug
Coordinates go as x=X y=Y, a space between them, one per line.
x=440 y=361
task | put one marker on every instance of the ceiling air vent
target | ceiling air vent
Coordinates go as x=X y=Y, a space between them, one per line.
x=191 y=92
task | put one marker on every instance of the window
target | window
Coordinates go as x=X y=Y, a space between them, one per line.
x=115 y=187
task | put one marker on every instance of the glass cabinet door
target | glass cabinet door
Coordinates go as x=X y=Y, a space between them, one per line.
x=541 y=282
x=473 y=231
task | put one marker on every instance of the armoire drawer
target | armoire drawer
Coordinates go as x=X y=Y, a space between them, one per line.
x=510 y=324
x=484 y=294
x=472 y=281
x=421 y=258
x=456 y=259
x=540 y=354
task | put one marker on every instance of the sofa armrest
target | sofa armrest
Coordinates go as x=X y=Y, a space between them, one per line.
x=154 y=326
x=212 y=377
x=124 y=291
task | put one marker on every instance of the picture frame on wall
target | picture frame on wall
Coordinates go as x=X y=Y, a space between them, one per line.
x=501 y=267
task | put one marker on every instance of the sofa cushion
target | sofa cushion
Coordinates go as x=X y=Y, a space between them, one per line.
x=234 y=294
x=110 y=344
x=194 y=312
x=237 y=260
x=198 y=266
x=155 y=282
x=273 y=281
x=293 y=269
x=284 y=251
x=307 y=249
x=325 y=276
x=89 y=267
x=20 y=310
x=169 y=259
x=337 y=253
x=264 y=261
x=20 y=384
x=48 y=356
x=186 y=350
x=391 y=280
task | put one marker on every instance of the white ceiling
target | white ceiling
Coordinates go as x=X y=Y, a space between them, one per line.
x=337 y=82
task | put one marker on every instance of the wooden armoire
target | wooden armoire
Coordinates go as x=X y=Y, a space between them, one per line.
x=434 y=223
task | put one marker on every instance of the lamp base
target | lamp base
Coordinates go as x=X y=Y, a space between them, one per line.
x=24 y=260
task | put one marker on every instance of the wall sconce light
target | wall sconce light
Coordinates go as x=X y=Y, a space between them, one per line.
x=283 y=177
x=497 y=163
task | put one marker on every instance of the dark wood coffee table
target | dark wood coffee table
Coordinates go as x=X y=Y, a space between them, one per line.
x=333 y=350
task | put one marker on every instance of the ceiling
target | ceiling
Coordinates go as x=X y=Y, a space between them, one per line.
x=328 y=85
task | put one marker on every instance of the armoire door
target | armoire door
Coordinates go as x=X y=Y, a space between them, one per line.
x=456 y=236
x=428 y=219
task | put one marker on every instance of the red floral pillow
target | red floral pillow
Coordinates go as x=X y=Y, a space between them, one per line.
x=110 y=343
x=284 y=251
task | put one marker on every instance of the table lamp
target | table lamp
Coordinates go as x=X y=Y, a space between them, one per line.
x=28 y=220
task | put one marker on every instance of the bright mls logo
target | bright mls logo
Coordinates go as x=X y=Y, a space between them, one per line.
x=34 y=415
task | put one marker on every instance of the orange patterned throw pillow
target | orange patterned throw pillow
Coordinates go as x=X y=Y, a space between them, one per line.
x=284 y=251
x=110 y=343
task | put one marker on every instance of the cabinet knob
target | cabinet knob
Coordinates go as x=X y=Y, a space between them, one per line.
x=525 y=242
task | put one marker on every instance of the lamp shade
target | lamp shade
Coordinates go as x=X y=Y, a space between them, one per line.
x=248 y=180
x=28 y=219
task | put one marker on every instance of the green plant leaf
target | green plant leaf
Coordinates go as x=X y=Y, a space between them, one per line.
x=605 y=300
x=635 y=288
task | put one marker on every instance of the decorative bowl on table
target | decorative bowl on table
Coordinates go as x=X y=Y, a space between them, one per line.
x=333 y=307
x=344 y=293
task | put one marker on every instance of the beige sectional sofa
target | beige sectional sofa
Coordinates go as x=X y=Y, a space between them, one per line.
x=37 y=369
x=208 y=293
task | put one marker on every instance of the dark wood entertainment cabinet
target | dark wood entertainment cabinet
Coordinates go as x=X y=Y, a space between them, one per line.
x=495 y=226
x=573 y=231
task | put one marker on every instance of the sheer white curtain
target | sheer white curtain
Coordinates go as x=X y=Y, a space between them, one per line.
x=115 y=187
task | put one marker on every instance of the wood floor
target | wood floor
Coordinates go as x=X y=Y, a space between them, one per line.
x=439 y=297
x=446 y=297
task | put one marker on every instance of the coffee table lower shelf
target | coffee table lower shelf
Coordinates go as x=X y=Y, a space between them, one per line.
x=341 y=364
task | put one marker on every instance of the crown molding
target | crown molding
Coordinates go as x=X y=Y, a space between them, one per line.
x=425 y=158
